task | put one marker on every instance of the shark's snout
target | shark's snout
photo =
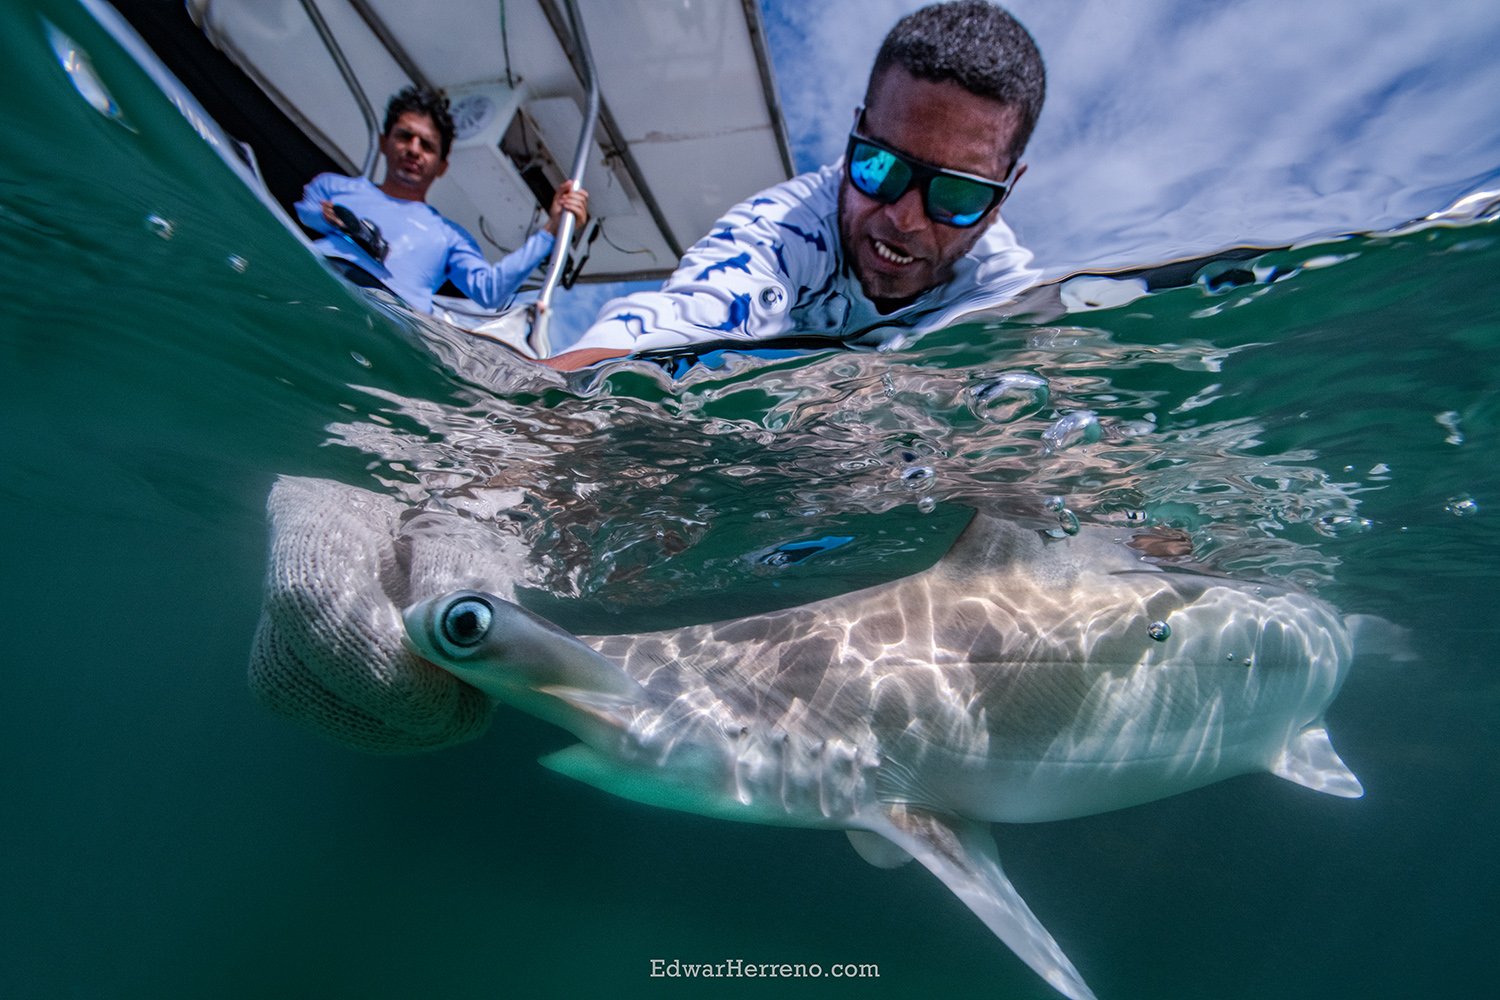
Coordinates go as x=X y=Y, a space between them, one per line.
x=504 y=649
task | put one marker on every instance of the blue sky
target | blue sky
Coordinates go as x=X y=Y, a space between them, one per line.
x=1184 y=126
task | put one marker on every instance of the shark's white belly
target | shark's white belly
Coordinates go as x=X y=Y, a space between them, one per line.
x=701 y=760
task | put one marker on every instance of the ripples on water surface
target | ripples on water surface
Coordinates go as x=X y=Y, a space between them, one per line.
x=167 y=351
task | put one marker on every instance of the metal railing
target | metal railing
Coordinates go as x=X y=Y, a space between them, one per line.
x=372 y=121
x=539 y=340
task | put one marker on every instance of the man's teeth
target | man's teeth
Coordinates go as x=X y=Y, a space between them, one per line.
x=886 y=253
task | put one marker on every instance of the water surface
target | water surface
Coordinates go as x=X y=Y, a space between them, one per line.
x=168 y=350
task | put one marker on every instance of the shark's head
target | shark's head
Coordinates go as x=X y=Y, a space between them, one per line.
x=510 y=653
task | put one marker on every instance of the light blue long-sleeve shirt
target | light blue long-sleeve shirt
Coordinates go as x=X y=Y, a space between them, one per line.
x=425 y=248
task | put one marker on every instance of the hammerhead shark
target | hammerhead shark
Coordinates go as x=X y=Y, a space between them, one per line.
x=1022 y=678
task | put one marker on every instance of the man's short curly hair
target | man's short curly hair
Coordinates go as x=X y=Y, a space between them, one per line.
x=977 y=45
x=431 y=103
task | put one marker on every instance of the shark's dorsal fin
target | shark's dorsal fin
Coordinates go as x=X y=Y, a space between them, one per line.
x=1309 y=760
x=962 y=854
x=991 y=544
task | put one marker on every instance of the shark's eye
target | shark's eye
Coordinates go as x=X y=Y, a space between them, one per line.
x=466 y=621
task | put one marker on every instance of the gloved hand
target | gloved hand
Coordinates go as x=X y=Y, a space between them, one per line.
x=328 y=652
x=364 y=233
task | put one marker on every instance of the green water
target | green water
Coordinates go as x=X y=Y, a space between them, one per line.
x=164 y=836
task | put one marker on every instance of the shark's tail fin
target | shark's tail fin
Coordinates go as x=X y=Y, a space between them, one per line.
x=962 y=854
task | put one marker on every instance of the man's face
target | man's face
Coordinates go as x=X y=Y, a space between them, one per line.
x=413 y=158
x=896 y=251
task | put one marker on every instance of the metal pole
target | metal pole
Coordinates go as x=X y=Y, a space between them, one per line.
x=540 y=341
x=372 y=123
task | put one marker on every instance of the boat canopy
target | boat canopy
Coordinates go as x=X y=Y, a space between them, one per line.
x=689 y=120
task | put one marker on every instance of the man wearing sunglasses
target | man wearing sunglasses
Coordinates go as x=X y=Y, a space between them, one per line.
x=900 y=237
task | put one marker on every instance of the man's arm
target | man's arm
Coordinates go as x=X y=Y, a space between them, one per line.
x=738 y=283
x=492 y=285
x=314 y=210
x=770 y=254
x=571 y=361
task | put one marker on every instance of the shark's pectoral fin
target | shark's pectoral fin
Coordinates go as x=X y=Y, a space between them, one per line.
x=665 y=789
x=962 y=854
x=1309 y=760
x=600 y=705
x=877 y=850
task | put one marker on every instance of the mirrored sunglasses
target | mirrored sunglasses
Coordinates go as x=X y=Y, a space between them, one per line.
x=949 y=197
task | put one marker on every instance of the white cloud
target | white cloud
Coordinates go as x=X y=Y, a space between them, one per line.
x=1177 y=126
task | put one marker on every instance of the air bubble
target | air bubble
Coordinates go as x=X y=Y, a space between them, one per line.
x=159 y=226
x=237 y=263
x=1067 y=521
x=1340 y=525
x=918 y=477
x=1008 y=397
x=1159 y=630
x=360 y=359
x=927 y=504
x=1081 y=426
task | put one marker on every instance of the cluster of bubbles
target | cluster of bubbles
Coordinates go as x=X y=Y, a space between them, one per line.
x=1067 y=521
x=825 y=439
x=1462 y=505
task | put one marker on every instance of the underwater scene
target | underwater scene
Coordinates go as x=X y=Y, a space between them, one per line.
x=1321 y=417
